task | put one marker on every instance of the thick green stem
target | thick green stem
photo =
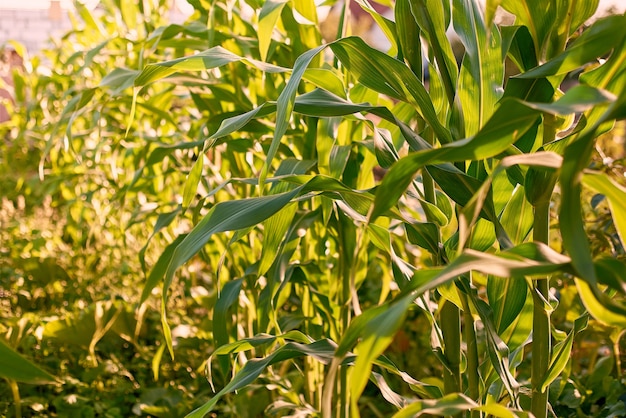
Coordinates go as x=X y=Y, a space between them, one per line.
x=542 y=344
x=541 y=322
x=451 y=330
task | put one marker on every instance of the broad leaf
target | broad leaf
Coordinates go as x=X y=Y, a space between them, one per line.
x=604 y=35
x=16 y=367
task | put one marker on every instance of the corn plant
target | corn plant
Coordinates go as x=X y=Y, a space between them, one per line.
x=340 y=194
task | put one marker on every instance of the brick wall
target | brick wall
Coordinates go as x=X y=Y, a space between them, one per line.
x=33 y=22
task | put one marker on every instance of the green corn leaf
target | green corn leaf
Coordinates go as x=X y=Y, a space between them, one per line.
x=386 y=153
x=517 y=216
x=452 y=404
x=516 y=335
x=496 y=348
x=235 y=123
x=191 y=184
x=569 y=16
x=490 y=12
x=90 y=23
x=326 y=79
x=285 y=106
x=616 y=195
x=160 y=267
x=156 y=361
x=387 y=26
x=538 y=16
x=604 y=35
x=497 y=410
x=612 y=273
x=469 y=214
x=443 y=203
x=225 y=216
x=409 y=37
x=275 y=229
x=13 y=366
x=496 y=136
x=323 y=104
x=482 y=236
x=228 y=296
x=433 y=18
x=388 y=76
x=377 y=334
x=481 y=80
x=390 y=396
x=278 y=224
x=507 y=297
x=423 y=234
x=575 y=239
x=562 y=353
x=217 y=57
x=459 y=186
x=211 y=58
x=578 y=99
x=130 y=15
x=600 y=306
x=322 y=350
x=525 y=259
x=425 y=390
x=433 y=213
x=163 y=220
x=381 y=237
x=260 y=340
x=339 y=156
x=268 y=17
x=519 y=46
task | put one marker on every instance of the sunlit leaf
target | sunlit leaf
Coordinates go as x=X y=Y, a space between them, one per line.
x=616 y=196
x=604 y=35
x=268 y=17
x=452 y=404
x=497 y=135
x=562 y=352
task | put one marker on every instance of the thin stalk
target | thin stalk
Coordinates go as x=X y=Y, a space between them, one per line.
x=541 y=322
x=344 y=18
x=309 y=367
x=344 y=403
x=617 y=353
x=469 y=333
x=17 y=400
x=347 y=240
x=542 y=344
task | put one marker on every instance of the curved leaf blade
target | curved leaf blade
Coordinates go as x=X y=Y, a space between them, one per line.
x=16 y=367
